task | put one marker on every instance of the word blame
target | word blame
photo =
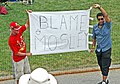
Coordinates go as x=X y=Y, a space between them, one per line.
x=57 y=32
x=70 y=22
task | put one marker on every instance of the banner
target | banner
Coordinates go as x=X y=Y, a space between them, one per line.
x=58 y=32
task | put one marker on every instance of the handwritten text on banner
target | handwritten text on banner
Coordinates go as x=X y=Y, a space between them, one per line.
x=58 y=32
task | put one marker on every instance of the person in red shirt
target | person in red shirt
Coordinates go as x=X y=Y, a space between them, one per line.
x=18 y=47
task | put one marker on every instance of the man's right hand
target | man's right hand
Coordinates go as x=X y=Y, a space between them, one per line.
x=92 y=50
x=29 y=11
x=96 y=6
x=28 y=54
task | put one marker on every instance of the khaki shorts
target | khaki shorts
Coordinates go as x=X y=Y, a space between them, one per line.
x=21 y=67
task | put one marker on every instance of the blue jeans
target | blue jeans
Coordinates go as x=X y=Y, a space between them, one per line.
x=104 y=61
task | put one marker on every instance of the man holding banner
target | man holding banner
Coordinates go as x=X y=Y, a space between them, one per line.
x=102 y=35
x=18 y=47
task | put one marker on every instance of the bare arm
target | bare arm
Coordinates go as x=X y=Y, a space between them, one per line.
x=23 y=54
x=93 y=45
x=103 y=12
x=27 y=22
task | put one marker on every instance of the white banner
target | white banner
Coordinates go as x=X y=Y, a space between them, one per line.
x=58 y=32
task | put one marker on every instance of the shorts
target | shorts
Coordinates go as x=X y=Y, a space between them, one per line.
x=20 y=68
x=104 y=61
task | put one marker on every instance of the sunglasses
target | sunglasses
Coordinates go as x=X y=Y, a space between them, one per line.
x=100 y=19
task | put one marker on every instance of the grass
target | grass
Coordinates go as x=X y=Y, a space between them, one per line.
x=62 y=61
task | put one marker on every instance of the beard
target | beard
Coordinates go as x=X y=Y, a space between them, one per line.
x=101 y=23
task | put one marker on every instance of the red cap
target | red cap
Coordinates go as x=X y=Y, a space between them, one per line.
x=14 y=25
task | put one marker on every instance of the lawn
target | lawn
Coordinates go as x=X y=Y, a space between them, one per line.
x=61 y=61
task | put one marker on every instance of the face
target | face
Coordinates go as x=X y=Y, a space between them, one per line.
x=14 y=31
x=100 y=19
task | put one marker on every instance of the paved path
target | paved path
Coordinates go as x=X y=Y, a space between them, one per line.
x=88 y=78
x=83 y=78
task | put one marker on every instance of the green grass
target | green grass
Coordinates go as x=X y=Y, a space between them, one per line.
x=62 y=61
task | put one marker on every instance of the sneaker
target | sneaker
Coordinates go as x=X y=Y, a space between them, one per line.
x=104 y=82
x=107 y=81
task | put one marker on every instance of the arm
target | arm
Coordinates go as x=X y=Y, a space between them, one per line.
x=102 y=11
x=23 y=54
x=93 y=45
x=26 y=25
x=27 y=22
x=15 y=50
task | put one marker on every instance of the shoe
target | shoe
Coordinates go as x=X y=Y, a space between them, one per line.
x=107 y=81
x=104 y=82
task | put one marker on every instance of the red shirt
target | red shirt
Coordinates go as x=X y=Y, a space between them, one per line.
x=17 y=44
